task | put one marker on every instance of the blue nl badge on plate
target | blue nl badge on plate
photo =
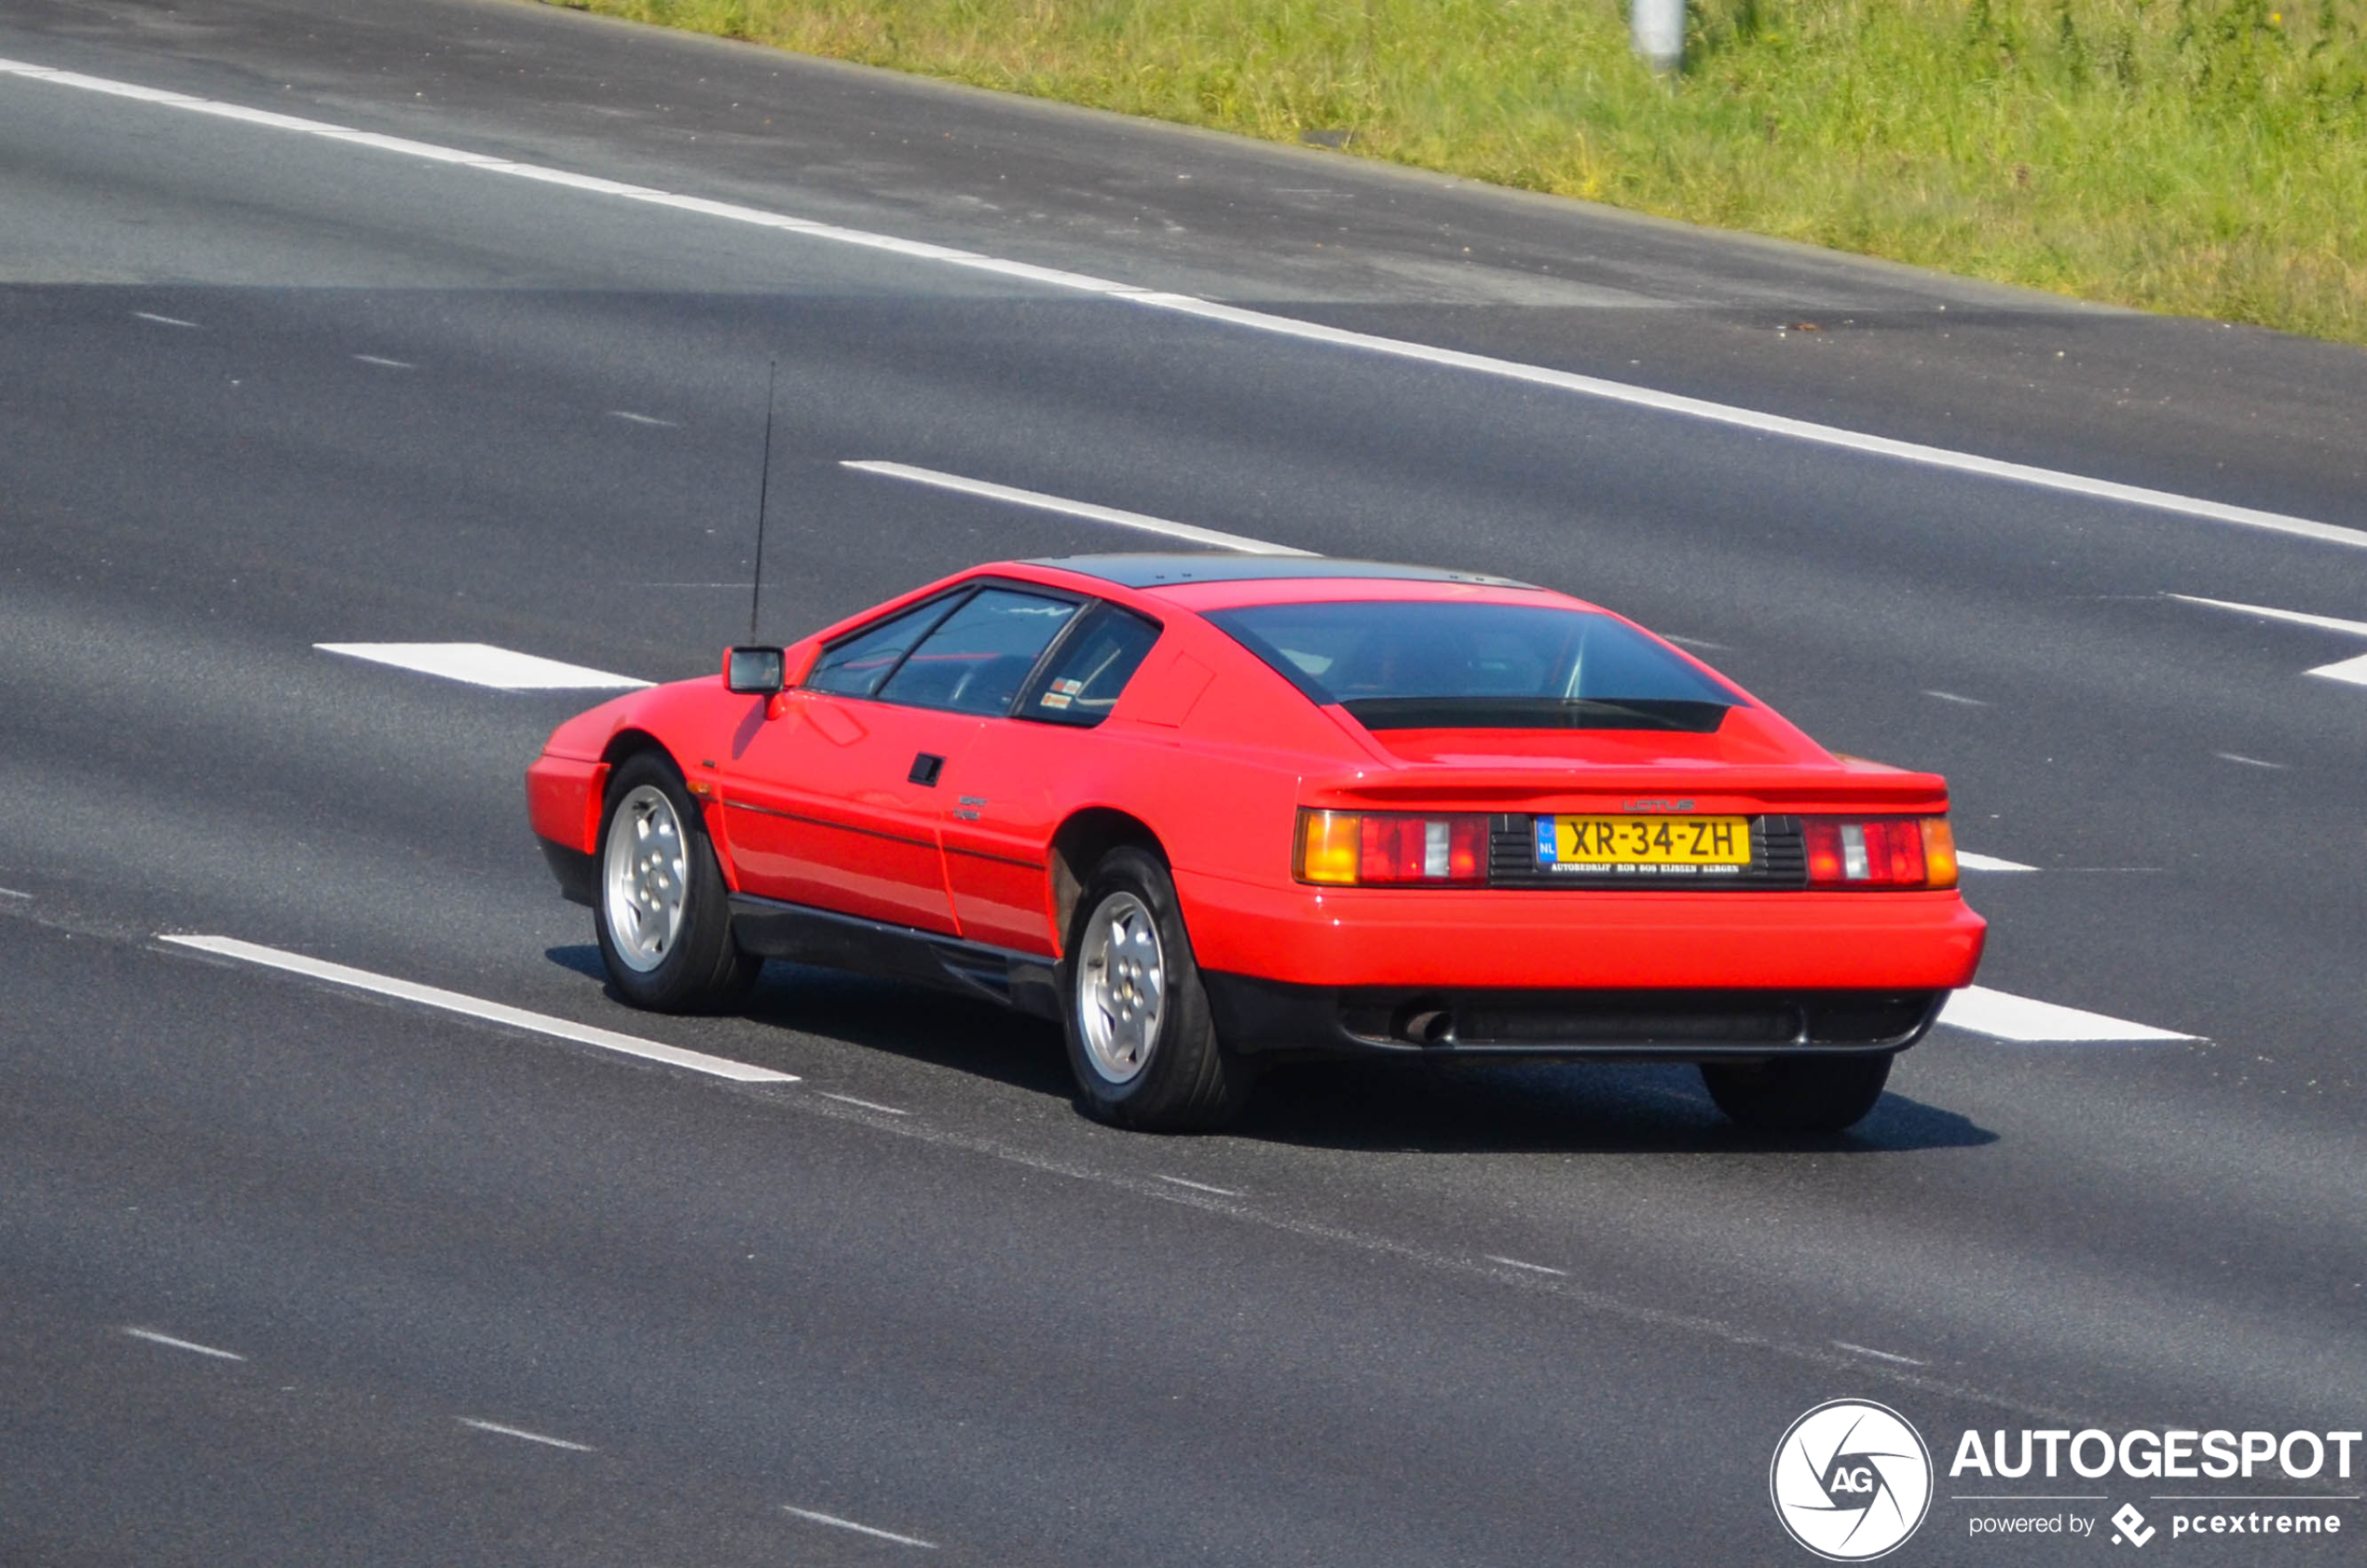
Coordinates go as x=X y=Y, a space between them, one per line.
x=1548 y=851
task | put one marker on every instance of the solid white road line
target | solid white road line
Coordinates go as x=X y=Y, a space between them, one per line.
x=2019 y=1018
x=1254 y=320
x=154 y=1338
x=1971 y=862
x=386 y=364
x=475 y=1008
x=2352 y=672
x=497 y=1427
x=1533 y=1268
x=1878 y=1354
x=868 y=1105
x=2299 y=618
x=1087 y=510
x=480 y=664
x=838 y=1523
x=1198 y=1186
x=167 y=321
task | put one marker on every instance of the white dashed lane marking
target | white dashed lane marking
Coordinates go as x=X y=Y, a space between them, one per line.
x=2021 y=1019
x=167 y=321
x=476 y=1007
x=1138 y=520
x=1532 y=1268
x=384 y=363
x=1960 y=701
x=1199 y=1186
x=170 y=1343
x=522 y=1434
x=481 y=664
x=836 y=1524
x=865 y=1104
x=1968 y=861
x=2351 y=671
x=1878 y=1354
x=2239 y=757
x=632 y=419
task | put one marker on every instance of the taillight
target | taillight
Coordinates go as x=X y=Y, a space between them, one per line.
x=1880 y=852
x=1369 y=849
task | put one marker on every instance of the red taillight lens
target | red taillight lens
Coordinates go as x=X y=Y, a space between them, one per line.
x=1880 y=852
x=1390 y=849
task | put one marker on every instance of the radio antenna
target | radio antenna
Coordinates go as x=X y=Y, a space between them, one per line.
x=763 y=484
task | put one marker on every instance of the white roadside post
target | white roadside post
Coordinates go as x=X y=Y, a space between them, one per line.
x=1659 y=31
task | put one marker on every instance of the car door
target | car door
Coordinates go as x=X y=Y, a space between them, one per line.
x=1023 y=773
x=835 y=803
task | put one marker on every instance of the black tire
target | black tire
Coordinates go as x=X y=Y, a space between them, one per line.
x=698 y=968
x=1184 y=1079
x=1798 y=1094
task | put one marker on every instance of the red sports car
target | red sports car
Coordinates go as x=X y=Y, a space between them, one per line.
x=1210 y=813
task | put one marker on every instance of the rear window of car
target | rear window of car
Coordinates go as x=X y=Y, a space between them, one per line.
x=1459 y=665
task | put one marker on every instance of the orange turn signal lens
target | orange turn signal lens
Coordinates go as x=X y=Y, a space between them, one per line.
x=1328 y=846
x=1939 y=853
x=1864 y=852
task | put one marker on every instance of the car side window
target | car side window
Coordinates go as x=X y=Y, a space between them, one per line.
x=855 y=667
x=975 y=660
x=1091 y=668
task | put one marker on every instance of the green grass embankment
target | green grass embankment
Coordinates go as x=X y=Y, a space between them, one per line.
x=2202 y=157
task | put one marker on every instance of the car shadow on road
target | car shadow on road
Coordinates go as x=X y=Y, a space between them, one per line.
x=918 y=1024
x=1400 y=1106
x=1608 y=1108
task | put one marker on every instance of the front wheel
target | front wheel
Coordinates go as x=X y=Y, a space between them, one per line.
x=1142 y=1042
x=664 y=924
x=1798 y=1094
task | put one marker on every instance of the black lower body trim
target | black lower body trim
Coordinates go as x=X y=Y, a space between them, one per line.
x=1275 y=1017
x=579 y=876
x=800 y=934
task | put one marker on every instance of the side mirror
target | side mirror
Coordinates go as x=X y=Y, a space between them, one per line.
x=754 y=672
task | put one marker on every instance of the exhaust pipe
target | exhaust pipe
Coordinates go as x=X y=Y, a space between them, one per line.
x=1425 y=1023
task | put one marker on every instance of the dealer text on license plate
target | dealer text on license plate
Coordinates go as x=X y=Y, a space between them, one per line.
x=1644 y=846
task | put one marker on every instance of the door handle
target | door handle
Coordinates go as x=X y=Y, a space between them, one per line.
x=925 y=768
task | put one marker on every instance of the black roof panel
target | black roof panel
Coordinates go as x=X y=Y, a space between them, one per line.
x=1157 y=571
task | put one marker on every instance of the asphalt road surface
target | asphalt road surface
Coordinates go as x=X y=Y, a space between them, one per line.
x=412 y=1287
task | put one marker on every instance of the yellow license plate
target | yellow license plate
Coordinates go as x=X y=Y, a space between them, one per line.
x=1643 y=841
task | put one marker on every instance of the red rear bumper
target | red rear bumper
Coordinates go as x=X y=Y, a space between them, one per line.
x=1466 y=938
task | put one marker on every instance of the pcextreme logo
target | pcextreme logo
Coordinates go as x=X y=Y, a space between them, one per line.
x=1851 y=1479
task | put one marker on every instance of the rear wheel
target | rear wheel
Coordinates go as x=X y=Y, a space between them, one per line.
x=1798 y=1094
x=1142 y=1042
x=664 y=924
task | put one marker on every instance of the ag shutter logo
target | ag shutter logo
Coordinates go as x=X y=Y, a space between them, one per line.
x=1852 y=1481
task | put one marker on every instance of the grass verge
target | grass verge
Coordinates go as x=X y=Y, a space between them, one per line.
x=2202 y=157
